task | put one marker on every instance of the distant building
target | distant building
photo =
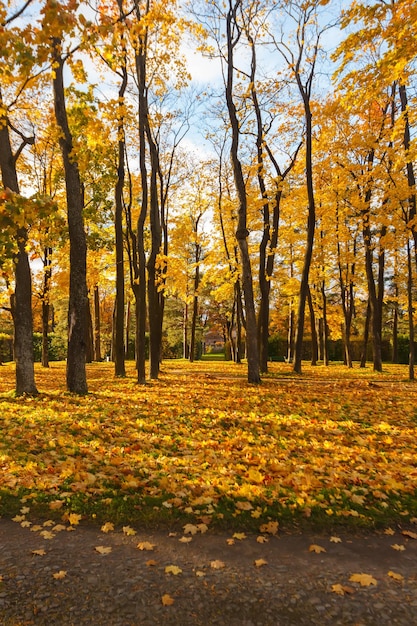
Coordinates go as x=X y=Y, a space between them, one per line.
x=213 y=341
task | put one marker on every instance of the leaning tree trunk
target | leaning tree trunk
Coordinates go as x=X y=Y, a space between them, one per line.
x=22 y=301
x=78 y=298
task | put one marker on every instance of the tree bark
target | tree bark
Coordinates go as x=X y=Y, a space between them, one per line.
x=78 y=299
x=22 y=301
x=47 y=273
x=242 y=233
x=119 y=351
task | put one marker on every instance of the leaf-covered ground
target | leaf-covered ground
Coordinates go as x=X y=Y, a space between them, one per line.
x=201 y=445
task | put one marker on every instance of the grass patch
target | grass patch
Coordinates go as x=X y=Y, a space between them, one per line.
x=335 y=447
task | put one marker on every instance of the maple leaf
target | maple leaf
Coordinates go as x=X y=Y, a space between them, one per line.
x=260 y=562
x=409 y=533
x=151 y=563
x=56 y=504
x=389 y=531
x=40 y=552
x=262 y=539
x=317 y=549
x=341 y=590
x=200 y=574
x=173 y=569
x=398 y=547
x=59 y=528
x=107 y=527
x=26 y=524
x=239 y=536
x=167 y=600
x=395 y=576
x=24 y=510
x=18 y=518
x=103 y=549
x=185 y=539
x=127 y=530
x=230 y=542
x=59 y=575
x=271 y=528
x=46 y=534
x=190 y=529
x=365 y=580
x=74 y=519
x=35 y=528
x=335 y=540
x=244 y=506
x=217 y=564
x=145 y=545
x=48 y=523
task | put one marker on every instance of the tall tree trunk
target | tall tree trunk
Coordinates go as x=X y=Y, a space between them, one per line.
x=411 y=360
x=314 y=342
x=97 y=325
x=22 y=301
x=242 y=232
x=366 y=334
x=78 y=299
x=185 y=350
x=119 y=316
x=412 y=200
x=311 y=225
x=325 y=355
x=127 y=328
x=195 y=303
x=46 y=287
x=89 y=338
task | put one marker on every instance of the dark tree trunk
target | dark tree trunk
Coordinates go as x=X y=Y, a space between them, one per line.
x=325 y=335
x=22 y=301
x=97 y=329
x=89 y=338
x=411 y=359
x=119 y=312
x=195 y=303
x=78 y=299
x=46 y=287
x=185 y=350
x=366 y=334
x=242 y=233
x=311 y=225
x=314 y=342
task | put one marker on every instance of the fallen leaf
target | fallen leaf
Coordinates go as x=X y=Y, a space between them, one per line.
x=335 y=540
x=230 y=542
x=200 y=574
x=185 y=539
x=56 y=504
x=26 y=524
x=190 y=529
x=167 y=600
x=107 y=527
x=35 y=528
x=24 y=510
x=203 y=528
x=271 y=528
x=18 y=518
x=317 y=549
x=59 y=575
x=239 y=536
x=145 y=545
x=173 y=569
x=260 y=562
x=262 y=539
x=365 y=580
x=342 y=589
x=103 y=549
x=244 y=506
x=395 y=576
x=127 y=530
x=59 y=528
x=151 y=563
x=46 y=534
x=48 y=523
x=74 y=519
x=389 y=531
x=409 y=533
x=40 y=552
x=398 y=547
x=217 y=564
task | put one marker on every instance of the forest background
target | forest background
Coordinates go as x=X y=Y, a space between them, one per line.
x=274 y=204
